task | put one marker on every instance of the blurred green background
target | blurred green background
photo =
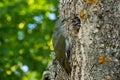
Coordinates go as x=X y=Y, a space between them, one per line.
x=26 y=27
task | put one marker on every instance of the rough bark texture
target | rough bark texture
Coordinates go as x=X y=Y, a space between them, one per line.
x=95 y=49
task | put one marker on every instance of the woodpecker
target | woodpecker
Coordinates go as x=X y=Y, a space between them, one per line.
x=60 y=45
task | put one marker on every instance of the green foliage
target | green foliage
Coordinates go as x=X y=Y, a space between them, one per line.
x=26 y=27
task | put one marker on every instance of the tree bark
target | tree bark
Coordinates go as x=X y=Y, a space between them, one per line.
x=95 y=47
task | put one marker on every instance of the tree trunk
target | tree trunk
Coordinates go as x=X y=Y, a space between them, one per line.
x=94 y=47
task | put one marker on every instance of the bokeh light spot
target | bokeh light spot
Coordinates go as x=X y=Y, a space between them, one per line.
x=21 y=25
